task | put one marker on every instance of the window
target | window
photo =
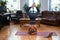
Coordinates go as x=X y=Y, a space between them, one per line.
x=32 y=1
x=55 y=5
x=13 y=4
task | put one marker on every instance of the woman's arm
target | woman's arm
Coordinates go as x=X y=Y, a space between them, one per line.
x=34 y=5
x=37 y=9
x=27 y=10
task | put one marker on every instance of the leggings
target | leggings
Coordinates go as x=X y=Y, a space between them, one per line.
x=32 y=17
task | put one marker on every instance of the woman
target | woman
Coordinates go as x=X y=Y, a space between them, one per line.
x=32 y=13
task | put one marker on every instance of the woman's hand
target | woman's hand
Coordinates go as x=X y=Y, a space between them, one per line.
x=34 y=5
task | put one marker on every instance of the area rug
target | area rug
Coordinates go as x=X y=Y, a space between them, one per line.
x=38 y=33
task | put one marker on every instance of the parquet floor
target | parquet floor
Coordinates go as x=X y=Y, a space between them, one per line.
x=8 y=32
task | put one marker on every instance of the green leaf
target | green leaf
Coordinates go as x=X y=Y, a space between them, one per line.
x=39 y=5
x=3 y=3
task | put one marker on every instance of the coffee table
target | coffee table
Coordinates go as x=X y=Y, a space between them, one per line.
x=27 y=21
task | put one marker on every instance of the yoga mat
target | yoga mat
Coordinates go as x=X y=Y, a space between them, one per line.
x=38 y=33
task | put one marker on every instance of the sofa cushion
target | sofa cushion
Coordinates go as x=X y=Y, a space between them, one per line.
x=50 y=17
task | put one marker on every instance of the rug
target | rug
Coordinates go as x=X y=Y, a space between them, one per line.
x=38 y=33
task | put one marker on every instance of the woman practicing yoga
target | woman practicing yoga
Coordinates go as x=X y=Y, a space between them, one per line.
x=32 y=12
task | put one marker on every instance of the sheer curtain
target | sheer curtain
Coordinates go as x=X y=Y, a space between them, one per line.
x=13 y=4
x=32 y=1
x=55 y=5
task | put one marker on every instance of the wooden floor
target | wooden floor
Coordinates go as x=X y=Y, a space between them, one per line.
x=8 y=32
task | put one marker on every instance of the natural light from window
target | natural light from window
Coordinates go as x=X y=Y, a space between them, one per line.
x=13 y=4
x=32 y=1
x=55 y=5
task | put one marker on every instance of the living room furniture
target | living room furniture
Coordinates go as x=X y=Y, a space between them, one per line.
x=3 y=9
x=4 y=20
x=15 y=17
x=19 y=14
x=27 y=21
x=51 y=17
x=1 y=23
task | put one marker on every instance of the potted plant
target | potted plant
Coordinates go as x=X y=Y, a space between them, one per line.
x=3 y=3
x=39 y=5
x=3 y=6
x=25 y=7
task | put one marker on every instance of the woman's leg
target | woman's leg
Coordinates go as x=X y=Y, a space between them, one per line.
x=32 y=20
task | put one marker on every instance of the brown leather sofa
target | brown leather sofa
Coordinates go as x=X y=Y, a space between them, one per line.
x=51 y=17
